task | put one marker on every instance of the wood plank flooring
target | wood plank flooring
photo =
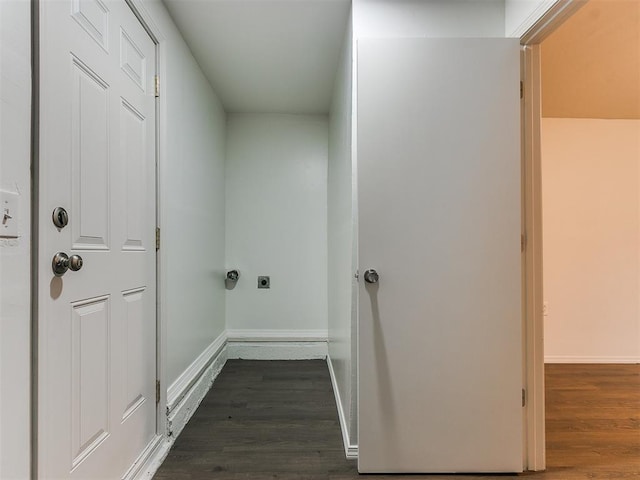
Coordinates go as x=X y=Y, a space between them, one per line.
x=593 y=421
x=278 y=420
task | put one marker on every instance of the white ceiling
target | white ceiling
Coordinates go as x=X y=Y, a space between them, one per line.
x=266 y=56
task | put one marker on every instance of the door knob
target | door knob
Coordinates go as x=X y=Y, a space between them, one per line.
x=371 y=276
x=62 y=262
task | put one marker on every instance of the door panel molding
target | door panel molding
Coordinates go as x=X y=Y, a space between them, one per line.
x=105 y=359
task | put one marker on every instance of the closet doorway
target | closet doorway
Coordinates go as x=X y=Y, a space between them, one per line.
x=588 y=234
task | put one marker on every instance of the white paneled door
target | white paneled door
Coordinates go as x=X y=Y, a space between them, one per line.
x=440 y=344
x=97 y=323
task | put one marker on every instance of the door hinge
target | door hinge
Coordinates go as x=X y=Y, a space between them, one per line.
x=521 y=89
x=157 y=238
x=156 y=85
x=524 y=397
x=523 y=242
x=157 y=392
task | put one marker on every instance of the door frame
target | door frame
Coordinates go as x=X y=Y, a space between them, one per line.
x=535 y=453
x=146 y=20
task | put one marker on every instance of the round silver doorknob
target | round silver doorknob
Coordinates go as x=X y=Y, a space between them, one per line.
x=371 y=276
x=75 y=263
x=62 y=262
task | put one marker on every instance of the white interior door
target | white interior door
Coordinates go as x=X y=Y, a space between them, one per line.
x=440 y=345
x=97 y=325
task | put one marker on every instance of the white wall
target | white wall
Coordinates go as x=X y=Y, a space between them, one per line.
x=276 y=221
x=15 y=321
x=434 y=18
x=340 y=235
x=591 y=239
x=191 y=204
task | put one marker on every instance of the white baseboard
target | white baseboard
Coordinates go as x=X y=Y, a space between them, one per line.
x=277 y=350
x=150 y=460
x=350 y=451
x=253 y=335
x=178 y=417
x=178 y=389
x=589 y=359
x=277 y=344
x=182 y=410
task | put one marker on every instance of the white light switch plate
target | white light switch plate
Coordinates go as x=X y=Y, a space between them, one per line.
x=8 y=214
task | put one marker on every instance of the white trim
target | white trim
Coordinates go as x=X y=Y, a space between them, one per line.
x=182 y=411
x=143 y=463
x=277 y=344
x=590 y=359
x=179 y=417
x=193 y=373
x=535 y=430
x=350 y=451
x=245 y=335
x=153 y=462
x=540 y=28
x=531 y=20
x=269 y=350
x=545 y=19
x=147 y=20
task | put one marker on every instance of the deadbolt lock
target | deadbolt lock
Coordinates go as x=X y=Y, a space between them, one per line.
x=60 y=217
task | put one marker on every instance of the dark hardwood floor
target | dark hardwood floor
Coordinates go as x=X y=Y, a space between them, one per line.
x=278 y=420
